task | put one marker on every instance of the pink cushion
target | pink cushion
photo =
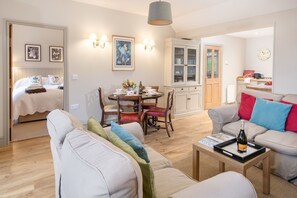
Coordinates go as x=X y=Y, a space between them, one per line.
x=246 y=106
x=157 y=111
x=291 y=123
x=127 y=118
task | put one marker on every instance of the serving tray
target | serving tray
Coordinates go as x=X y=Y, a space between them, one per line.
x=229 y=148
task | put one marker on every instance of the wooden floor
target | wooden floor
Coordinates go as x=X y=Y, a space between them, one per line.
x=26 y=170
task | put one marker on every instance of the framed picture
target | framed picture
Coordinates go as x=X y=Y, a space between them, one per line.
x=32 y=52
x=56 y=54
x=123 y=53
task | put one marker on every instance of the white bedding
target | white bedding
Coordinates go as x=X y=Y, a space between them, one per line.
x=24 y=104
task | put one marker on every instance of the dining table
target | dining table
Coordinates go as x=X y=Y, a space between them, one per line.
x=144 y=96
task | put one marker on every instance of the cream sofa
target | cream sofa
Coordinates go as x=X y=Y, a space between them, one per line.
x=87 y=165
x=283 y=144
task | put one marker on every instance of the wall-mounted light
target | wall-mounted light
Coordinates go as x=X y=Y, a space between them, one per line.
x=148 y=44
x=97 y=42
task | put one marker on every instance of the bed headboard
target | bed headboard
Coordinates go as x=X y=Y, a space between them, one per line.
x=19 y=73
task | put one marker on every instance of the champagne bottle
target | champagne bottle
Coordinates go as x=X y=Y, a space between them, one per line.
x=241 y=139
x=140 y=87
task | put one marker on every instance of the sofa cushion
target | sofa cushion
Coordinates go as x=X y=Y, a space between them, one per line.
x=292 y=98
x=251 y=129
x=272 y=115
x=157 y=161
x=94 y=167
x=246 y=106
x=146 y=170
x=130 y=140
x=285 y=143
x=291 y=123
x=95 y=127
x=170 y=181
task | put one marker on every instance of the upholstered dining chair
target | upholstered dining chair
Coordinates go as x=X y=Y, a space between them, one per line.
x=106 y=109
x=159 y=112
x=148 y=105
x=130 y=110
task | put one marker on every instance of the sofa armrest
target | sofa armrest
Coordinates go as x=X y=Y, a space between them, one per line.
x=225 y=185
x=223 y=115
x=134 y=128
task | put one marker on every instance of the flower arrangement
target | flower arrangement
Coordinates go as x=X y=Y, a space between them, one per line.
x=128 y=84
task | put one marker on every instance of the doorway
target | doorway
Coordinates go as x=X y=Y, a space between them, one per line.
x=37 y=75
x=212 y=87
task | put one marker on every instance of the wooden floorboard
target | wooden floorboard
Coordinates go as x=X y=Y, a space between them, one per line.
x=26 y=170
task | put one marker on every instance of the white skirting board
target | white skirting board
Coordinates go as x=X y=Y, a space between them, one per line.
x=230 y=93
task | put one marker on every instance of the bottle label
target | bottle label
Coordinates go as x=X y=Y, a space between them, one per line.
x=242 y=147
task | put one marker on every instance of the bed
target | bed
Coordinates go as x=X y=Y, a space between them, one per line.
x=26 y=105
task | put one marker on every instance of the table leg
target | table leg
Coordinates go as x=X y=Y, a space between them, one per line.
x=196 y=156
x=221 y=166
x=266 y=175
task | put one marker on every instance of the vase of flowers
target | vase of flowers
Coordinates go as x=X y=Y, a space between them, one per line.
x=129 y=85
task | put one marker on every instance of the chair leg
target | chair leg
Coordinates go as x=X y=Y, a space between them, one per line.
x=166 y=125
x=170 y=122
x=102 y=118
x=146 y=123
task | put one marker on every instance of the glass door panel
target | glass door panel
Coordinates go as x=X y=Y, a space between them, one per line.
x=191 y=74
x=179 y=55
x=192 y=57
x=209 y=63
x=216 y=64
x=179 y=74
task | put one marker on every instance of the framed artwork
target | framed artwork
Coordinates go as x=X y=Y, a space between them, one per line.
x=32 y=52
x=123 y=53
x=56 y=54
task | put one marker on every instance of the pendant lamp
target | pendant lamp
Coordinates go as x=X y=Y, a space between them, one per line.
x=160 y=13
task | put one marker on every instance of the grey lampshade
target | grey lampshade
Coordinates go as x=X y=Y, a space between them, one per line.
x=160 y=13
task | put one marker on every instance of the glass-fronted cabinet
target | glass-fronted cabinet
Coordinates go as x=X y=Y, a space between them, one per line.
x=185 y=68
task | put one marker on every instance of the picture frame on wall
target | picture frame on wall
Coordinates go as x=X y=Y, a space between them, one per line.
x=56 y=54
x=33 y=52
x=123 y=53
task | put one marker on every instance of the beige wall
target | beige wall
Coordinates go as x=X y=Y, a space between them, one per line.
x=285 y=48
x=233 y=57
x=92 y=65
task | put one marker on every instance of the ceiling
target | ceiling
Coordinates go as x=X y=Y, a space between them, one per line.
x=254 y=33
x=193 y=14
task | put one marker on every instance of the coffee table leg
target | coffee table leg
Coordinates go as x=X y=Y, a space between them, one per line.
x=222 y=166
x=266 y=175
x=196 y=164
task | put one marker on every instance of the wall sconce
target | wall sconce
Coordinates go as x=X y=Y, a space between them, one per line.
x=148 y=44
x=97 y=42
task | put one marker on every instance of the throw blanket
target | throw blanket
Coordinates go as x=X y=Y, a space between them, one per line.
x=33 y=91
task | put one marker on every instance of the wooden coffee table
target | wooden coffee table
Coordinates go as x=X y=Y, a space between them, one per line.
x=242 y=167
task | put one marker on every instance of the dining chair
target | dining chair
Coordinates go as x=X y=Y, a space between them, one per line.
x=159 y=112
x=130 y=110
x=148 y=105
x=107 y=110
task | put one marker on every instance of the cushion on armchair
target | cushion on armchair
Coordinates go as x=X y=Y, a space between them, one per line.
x=130 y=140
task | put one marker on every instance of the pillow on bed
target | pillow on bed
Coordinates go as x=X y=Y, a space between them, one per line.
x=54 y=80
x=36 y=80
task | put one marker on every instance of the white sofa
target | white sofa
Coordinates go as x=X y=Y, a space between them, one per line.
x=283 y=144
x=87 y=165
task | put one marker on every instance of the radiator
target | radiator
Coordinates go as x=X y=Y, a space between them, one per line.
x=230 y=93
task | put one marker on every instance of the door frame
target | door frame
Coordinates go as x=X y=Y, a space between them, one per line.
x=204 y=69
x=5 y=140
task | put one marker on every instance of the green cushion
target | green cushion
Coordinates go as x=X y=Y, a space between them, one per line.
x=146 y=170
x=95 y=127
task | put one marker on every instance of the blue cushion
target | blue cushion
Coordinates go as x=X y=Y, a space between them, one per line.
x=130 y=140
x=271 y=115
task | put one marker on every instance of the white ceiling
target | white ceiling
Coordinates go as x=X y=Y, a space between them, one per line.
x=193 y=14
x=254 y=33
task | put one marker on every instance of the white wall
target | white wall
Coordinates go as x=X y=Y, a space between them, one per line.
x=285 y=48
x=93 y=65
x=35 y=35
x=233 y=58
x=253 y=45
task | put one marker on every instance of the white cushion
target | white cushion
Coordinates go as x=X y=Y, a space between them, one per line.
x=157 y=160
x=93 y=167
x=251 y=129
x=282 y=142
